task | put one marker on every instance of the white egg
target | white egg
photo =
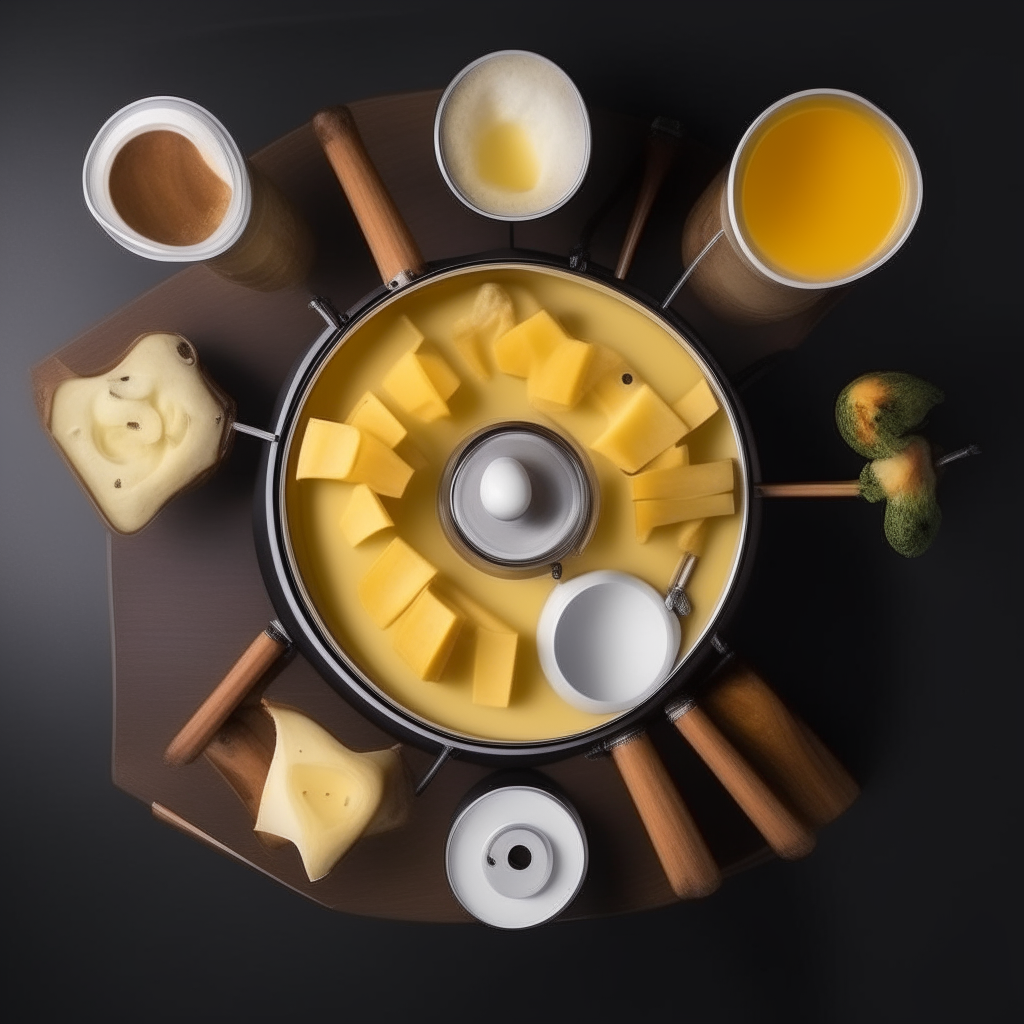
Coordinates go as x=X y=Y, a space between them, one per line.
x=505 y=490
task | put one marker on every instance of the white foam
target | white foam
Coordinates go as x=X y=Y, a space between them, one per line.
x=532 y=92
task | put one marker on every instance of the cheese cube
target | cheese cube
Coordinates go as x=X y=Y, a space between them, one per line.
x=409 y=384
x=442 y=376
x=670 y=458
x=373 y=416
x=494 y=665
x=364 y=516
x=559 y=379
x=697 y=405
x=519 y=350
x=338 y=451
x=644 y=427
x=684 y=481
x=425 y=634
x=692 y=537
x=650 y=514
x=393 y=582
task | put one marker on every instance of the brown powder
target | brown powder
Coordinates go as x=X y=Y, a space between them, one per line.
x=164 y=189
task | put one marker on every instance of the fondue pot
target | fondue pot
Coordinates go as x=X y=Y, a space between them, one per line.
x=688 y=864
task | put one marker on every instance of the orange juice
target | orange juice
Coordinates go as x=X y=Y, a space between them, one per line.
x=823 y=189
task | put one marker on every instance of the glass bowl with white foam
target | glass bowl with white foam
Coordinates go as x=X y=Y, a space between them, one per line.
x=512 y=136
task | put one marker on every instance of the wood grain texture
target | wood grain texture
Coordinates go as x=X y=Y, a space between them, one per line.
x=783 y=831
x=394 y=249
x=689 y=867
x=197 y=732
x=780 y=747
x=830 y=489
x=171 y=641
x=243 y=759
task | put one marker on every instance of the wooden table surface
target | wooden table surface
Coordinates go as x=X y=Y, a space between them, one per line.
x=187 y=595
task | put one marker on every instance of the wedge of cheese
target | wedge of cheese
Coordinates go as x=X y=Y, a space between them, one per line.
x=409 y=384
x=364 y=516
x=425 y=633
x=494 y=666
x=559 y=379
x=445 y=380
x=643 y=428
x=696 y=406
x=339 y=451
x=684 y=481
x=322 y=797
x=421 y=382
x=526 y=346
x=374 y=417
x=661 y=511
x=393 y=582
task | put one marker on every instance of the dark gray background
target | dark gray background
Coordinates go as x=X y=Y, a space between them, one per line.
x=909 y=909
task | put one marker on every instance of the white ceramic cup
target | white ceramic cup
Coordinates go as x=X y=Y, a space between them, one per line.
x=606 y=641
x=526 y=89
x=208 y=135
x=913 y=187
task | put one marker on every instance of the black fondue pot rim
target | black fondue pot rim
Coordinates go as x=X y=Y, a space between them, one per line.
x=314 y=640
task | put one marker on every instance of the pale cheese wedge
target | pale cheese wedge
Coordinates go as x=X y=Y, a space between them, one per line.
x=494 y=666
x=528 y=344
x=643 y=428
x=339 y=451
x=393 y=582
x=697 y=406
x=322 y=797
x=364 y=516
x=559 y=379
x=425 y=633
x=373 y=416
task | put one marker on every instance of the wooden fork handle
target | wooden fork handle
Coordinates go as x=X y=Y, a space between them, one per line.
x=782 y=830
x=689 y=867
x=780 y=747
x=394 y=250
x=661 y=151
x=197 y=732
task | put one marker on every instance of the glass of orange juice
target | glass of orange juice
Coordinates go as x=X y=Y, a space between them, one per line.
x=822 y=189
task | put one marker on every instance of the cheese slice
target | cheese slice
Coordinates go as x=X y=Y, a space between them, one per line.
x=660 y=511
x=527 y=345
x=374 y=417
x=364 y=516
x=393 y=582
x=494 y=666
x=643 y=428
x=560 y=378
x=684 y=481
x=697 y=406
x=410 y=385
x=445 y=380
x=339 y=451
x=425 y=633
